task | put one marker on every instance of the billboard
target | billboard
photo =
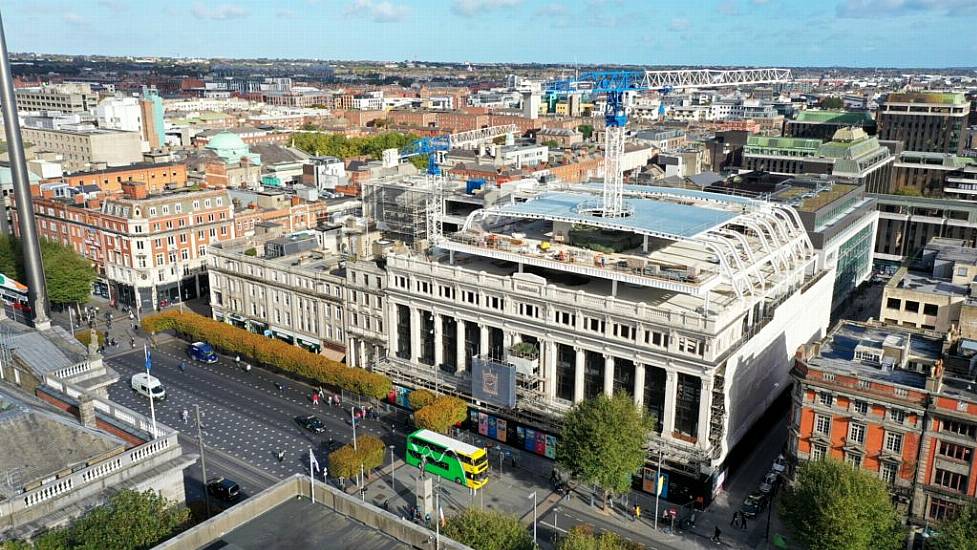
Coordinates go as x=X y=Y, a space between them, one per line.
x=494 y=382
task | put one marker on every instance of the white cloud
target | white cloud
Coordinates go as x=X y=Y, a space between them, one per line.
x=219 y=12
x=877 y=8
x=679 y=24
x=553 y=10
x=471 y=8
x=380 y=12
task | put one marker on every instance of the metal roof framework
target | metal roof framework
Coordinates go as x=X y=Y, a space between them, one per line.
x=708 y=78
x=763 y=239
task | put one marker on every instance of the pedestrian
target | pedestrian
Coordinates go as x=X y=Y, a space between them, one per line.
x=132 y=342
x=742 y=521
x=315 y=399
x=186 y=416
x=281 y=388
x=237 y=359
x=637 y=512
x=247 y=367
x=735 y=522
x=281 y=455
x=386 y=503
x=183 y=366
x=716 y=534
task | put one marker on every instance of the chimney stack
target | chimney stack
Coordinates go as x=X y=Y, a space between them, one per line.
x=86 y=411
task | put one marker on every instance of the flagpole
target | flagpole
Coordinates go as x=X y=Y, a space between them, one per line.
x=152 y=407
x=311 y=476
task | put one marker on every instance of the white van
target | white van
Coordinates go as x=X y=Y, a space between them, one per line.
x=145 y=384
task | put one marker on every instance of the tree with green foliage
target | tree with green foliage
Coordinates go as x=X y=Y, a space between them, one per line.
x=129 y=521
x=583 y=537
x=69 y=276
x=551 y=143
x=488 y=530
x=338 y=145
x=906 y=191
x=957 y=533
x=603 y=442
x=420 y=398
x=832 y=505
x=441 y=414
x=831 y=102
x=586 y=129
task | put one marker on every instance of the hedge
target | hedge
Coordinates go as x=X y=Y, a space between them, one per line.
x=345 y=461
x=289 y=358
x=443 y=413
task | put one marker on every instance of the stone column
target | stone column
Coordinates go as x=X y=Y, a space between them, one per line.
x=415 y=335
x=438 y=341
x=364 y=359
x=351 y=353
x=639 y=384
x=608 y=375
x=460 y=352
x=578 y=376
x=548 y=350
x=393 y=322
x=483 y=341
x=705 y=411
x=671 y=387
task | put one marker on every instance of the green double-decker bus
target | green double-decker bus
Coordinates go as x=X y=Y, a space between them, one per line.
x=448 y=458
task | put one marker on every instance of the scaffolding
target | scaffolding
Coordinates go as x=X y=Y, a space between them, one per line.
x=401 y=206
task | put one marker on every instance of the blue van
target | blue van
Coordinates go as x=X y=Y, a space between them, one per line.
x=202 y=351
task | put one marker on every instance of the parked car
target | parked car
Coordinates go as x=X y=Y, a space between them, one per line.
x=779 y=465
x=224 y=489
x=311 y=423
x=203 y=352
x=753 y=504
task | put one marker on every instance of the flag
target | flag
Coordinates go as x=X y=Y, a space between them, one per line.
x=312 y=461
x=441 y=515
x=149 y=359
x=661 y=484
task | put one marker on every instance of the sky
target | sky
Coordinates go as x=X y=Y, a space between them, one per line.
x=864 y=33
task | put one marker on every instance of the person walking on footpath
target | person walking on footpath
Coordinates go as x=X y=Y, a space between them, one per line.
x=186 y=416
x=315 y=399
x=637 y=512
x=742 y=521
x=735 y=522
x=281 y=455
x=716 y=534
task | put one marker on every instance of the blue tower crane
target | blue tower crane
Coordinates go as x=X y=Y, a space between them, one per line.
x=427 y=146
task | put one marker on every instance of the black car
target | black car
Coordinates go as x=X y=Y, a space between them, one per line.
x=311 y=423
x=223 y=489
x=753 y=505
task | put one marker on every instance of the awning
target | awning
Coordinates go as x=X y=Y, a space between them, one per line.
x=333 y=354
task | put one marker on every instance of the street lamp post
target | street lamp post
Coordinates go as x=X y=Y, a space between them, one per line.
x=773 y=493
x=352 y=414
x=393 y=473
x=658 y=482
x=533 y=495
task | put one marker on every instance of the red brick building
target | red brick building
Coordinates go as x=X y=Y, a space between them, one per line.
x=879 y=398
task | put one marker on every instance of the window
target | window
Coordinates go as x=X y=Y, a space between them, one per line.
x=565 y=318
x=443 y=291
x=954 y=451
x=822 y=424
x=529 y=310
x=930 y=309
x=960 y=428
x=893 y=442
x=856 y=433
x=941 y=509
x=897 y=415
x=594 y=325
x=853 y=460
x=656 y=339
x=912 y=306
x=825 y=399
x=495 y=302
x=400 y=281
x=893 y=303
x=624 y=331
x=152 y=211
x=864 y=384
x=196 y=205
x=689 y=345
x=888 y=471
x=950 y=480
x=178 y=207
x=818 y=452
x=424 y=287
x=860 y=407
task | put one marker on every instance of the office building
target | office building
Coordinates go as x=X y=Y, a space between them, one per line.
x=933 y=122
x=925 y=174
x=67 y=98
x=692 y=305
x=907 y=223
x=822 y=125
x=930 y=292
x=87 y=148
x=851 y=154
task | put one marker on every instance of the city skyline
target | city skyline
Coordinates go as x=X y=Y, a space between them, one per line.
x=779 y=32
